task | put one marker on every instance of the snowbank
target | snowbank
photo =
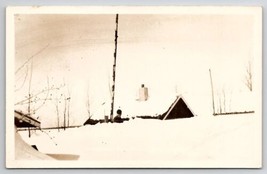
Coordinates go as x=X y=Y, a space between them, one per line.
x=230 y=141
x=24 y=151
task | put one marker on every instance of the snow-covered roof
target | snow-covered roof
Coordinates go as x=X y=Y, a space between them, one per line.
x=182 y=108
x=24 y=120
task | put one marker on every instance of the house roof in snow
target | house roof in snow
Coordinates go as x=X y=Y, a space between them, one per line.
x=178 y=109
x=24 y=120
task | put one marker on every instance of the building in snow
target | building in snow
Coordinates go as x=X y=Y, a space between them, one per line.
x=23 y=120
x=178 y=109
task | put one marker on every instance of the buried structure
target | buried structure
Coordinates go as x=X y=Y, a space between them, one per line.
x=25 y=120
x=178 y=109
x=25 y=151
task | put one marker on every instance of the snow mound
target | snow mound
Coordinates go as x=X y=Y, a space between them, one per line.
x=230 y=141
x=24 y=151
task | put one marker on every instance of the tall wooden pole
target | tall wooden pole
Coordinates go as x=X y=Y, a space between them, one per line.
x=114 y=70
x=213 y=107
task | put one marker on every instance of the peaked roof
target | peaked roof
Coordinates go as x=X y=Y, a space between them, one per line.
x=24 y=120
x=178 y=109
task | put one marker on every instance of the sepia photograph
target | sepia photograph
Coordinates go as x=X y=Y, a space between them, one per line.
x=134 y=87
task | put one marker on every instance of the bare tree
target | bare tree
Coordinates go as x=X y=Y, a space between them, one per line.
x=32 y=99
x=212 y=92
x=248 y=77
x=25 y=75
x=29 y=89
x=62 y=108
x=88 y=107
x=68 y=107
x=64 y=112
x=39 y=97
x=88 y=103
x=224 y=100
x=110 y=88
x=57 y=110
x=57 y=102
x=221 y=102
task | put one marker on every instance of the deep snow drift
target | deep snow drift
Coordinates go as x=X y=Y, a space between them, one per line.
x=212 y=141
x=25 y=151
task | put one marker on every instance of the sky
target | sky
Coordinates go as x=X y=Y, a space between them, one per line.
x=170 y=54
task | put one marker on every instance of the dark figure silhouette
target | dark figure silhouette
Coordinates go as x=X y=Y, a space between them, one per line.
x=118 y=118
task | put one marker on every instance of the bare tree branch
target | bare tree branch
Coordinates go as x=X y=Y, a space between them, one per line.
x=24 y=80
x=24 y=101
x=30 y=58
x=46 y=97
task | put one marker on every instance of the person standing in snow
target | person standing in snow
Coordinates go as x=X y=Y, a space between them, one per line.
x=117 y=118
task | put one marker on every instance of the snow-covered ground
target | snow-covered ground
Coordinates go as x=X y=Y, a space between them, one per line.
x=221 y=141
x=25 y=151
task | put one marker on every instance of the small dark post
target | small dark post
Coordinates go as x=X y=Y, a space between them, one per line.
x=29 y=132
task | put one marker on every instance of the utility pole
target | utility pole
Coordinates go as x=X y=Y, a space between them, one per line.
x=114 y=70
x=213 y=107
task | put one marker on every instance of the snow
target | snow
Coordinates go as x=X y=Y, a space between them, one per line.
x=219 y=141
x=24 y=151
